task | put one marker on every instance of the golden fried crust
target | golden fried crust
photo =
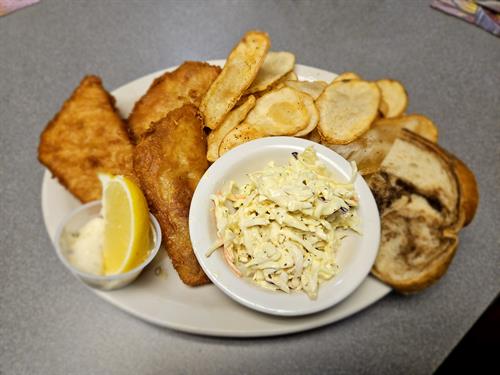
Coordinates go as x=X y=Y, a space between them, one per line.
x=169 y=162
x=86 y=136
x=187 y=84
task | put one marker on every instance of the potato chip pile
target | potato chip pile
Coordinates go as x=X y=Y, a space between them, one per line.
x=258 y=95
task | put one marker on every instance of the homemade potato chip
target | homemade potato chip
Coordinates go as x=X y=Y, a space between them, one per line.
x=240 y=134
x=280 y=112
x=234 y=117
x=394 y=96
x=313 y=115
x=346 y=110
x=240 y=70
x=419 y=124
x=346 y=76
x=276 y=65
x=313 y=88
x=383 y=107
x=291 y=76
x=276 y=86
x=279 y=84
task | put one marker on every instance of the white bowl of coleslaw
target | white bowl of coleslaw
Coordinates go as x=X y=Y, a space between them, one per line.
x=277 y=237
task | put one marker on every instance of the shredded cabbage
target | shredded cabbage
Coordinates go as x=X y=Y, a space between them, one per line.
x=282 y=229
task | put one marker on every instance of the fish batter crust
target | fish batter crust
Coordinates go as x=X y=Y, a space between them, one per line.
x=185 y=85
x=87 y=136
x=169 y=161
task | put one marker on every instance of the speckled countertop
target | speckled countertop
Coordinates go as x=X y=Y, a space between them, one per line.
x=50 y=324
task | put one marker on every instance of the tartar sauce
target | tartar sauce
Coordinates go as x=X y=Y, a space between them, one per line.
x=84 y=247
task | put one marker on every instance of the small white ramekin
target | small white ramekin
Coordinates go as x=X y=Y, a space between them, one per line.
x=73 y=222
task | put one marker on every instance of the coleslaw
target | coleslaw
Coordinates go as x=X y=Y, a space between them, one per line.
x=282 y=229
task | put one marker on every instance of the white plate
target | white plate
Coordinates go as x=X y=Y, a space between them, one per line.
x=355 y=256
x=164 y=300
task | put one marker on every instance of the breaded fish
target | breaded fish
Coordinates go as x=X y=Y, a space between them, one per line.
x=169 y=161
x=86 y=136
x=187 y=84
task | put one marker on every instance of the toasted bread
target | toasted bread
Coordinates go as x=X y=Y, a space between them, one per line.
x=418 y=193
x=469 y=198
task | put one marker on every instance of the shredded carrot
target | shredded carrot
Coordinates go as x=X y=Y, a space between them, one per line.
x=229 y=259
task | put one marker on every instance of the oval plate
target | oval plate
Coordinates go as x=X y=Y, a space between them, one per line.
x=164 y=300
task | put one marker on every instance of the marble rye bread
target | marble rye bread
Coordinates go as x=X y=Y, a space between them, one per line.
x=425 y=196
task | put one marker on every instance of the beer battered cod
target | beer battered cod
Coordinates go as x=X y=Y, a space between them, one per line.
x=169 y=162
x=87 y=136
x=185 y=85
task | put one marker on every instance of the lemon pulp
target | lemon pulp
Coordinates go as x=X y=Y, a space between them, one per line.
x=127 y=237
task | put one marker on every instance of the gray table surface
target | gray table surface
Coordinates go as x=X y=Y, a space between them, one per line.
x=50 y=324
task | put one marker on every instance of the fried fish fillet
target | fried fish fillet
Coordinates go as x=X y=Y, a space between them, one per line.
x=169 y=161
x=86 y=136
x=187 y=84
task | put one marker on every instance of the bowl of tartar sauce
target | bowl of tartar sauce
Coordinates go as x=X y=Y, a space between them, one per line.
x=78 y=243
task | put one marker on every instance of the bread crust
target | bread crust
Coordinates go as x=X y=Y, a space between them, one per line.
x=426 y=278
x=469 y=197
x=438 y=263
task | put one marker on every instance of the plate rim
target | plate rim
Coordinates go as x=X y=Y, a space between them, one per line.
x=257 y=298
x=317 y=320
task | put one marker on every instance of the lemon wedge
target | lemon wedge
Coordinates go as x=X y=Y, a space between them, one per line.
x=127 y=236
